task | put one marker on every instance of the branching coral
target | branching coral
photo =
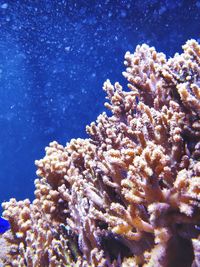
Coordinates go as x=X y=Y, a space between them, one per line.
x=130 y=194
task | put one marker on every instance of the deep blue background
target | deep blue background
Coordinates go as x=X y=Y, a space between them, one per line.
x=54 y=58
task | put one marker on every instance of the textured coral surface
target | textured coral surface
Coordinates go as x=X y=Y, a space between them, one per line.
x=129 y=195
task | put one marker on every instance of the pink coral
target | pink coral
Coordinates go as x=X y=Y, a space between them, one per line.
x=130 y=194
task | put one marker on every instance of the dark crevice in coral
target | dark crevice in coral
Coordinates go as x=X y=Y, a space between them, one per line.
x=116 y=246
x=163 y=184
x=179 y=252
x=115 y=196
x=187 y=231
x=175 y=95
x=143 y=212
x=79 y=163
x=149 y=101
x=101 y=225
x=190 y=141
x=55 y=180
x=115 y=263
x=112 y=193
x=60 y=214
x=113 y=247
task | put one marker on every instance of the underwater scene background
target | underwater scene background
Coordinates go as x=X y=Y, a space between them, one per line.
x=54 y=57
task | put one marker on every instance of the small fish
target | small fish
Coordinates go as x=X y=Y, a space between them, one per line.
x=4 y=225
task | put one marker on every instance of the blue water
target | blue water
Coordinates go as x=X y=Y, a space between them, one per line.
x=54 y=58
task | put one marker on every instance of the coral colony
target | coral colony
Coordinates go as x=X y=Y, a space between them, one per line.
x=129 y=195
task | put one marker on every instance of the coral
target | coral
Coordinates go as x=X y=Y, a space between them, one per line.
x=129 y=195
